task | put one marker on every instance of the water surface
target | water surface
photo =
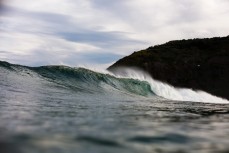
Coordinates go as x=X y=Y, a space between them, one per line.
x=60 y=109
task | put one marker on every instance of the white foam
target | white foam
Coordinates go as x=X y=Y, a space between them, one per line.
x=168 y=91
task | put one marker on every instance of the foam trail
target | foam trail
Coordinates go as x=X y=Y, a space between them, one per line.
x=168 y=91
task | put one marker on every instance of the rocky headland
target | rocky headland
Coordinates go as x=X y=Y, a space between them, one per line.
x=200 y=64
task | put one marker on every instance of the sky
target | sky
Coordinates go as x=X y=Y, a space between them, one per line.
x=99 y=32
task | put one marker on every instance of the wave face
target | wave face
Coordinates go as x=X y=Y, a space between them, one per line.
x=85 y=80
x=125 y=80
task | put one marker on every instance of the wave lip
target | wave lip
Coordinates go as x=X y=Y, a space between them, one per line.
x=167 y=91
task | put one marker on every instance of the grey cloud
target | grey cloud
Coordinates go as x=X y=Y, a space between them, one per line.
x=2 y=6
x=3 y=52
x=98 y=38
x=157 y=23
x=186 y=11
x=109 y=4
x=34 y=22
x=39 y=57
x=91 y=58
x=34 y=59
x=47 y=17
x=62 y=26
x=117 y=8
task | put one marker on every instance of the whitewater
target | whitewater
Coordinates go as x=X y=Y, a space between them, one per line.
x=64 y=109
x=168 y=91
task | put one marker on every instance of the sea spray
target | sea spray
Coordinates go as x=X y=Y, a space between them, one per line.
x=167 y=91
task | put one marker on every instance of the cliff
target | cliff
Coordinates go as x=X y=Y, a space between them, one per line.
x=200 y=64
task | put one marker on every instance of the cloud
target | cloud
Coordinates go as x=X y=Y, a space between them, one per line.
x=2 y=6
x=152 y=19
x=99 y=38
x=101 y=31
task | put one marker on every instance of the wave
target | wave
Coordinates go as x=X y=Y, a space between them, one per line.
x=167 y=91
x=125 y=80
x=85 y=80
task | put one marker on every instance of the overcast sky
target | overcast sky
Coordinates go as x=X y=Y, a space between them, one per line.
x=99 y=32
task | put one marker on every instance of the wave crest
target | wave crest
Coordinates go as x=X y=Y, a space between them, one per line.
x=167 y=91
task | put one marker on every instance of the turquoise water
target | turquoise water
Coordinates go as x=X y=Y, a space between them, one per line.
x=62 y=109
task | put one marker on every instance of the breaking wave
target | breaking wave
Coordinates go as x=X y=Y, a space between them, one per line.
x=128 y=81
x=168 y=91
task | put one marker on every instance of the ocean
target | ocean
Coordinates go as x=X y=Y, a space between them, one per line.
x=60 y=109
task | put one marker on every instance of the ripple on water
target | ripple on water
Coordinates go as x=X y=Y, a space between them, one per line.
x=170 y=138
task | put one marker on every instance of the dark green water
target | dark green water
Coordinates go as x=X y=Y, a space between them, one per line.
x=60 y=109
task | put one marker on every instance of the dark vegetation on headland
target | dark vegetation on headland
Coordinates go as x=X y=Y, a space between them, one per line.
x=200 y=64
